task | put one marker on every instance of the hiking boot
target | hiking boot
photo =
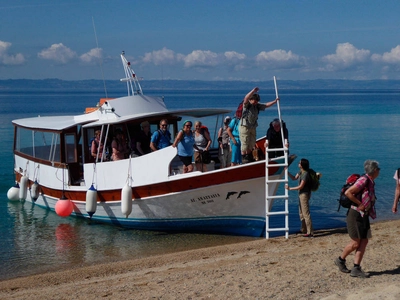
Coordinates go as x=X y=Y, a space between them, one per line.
x=341 y=265
x=358 y=272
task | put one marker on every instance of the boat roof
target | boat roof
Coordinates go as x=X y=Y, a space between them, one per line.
x=95 y=118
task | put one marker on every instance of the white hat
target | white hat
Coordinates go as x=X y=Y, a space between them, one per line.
x=227 y=118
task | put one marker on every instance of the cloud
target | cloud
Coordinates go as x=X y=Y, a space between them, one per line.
x=392 y=57
x=159 y=57
x=93 y=55
x=346 y=56
x=200 y=58
x=234 y=56
x=7 y=59
x=277 y=59
x=58 y=53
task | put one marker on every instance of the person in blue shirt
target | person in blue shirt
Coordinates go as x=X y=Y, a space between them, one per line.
x=233 y=132
x=185 y=143
x=161 y=138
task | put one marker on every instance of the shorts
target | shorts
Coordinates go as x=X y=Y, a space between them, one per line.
x=358 y=227
x=247 y=138
x=187 y=160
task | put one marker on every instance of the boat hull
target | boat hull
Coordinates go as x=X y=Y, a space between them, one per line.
x=236 y=208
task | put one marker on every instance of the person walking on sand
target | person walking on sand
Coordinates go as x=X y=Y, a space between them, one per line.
x=397 y=191
x=362 y=193
x=304 y=197
x=248 y=122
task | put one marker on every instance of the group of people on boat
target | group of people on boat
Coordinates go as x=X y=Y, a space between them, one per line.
x=236 y=139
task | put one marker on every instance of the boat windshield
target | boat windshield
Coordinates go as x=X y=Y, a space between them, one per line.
x=38 y=144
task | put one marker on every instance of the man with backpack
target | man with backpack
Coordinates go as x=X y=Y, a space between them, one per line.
x=161 y=138
x=274 y=138
x=248 y=122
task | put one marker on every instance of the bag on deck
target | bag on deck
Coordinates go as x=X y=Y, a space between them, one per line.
x=343 y=200
x=314 y=180
x=205 y=157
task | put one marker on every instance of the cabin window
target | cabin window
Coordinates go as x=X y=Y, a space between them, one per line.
x=39 y=144
x=70 y=148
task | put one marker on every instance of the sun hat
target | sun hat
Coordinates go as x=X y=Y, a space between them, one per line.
x=186 y=121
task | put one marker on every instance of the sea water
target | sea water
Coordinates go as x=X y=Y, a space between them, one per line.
x=335 y=130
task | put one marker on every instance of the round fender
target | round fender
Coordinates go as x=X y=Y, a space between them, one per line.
x=13 y=193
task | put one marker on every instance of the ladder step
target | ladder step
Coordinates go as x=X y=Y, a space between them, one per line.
x=277 y=229
x=277 y=165
x=277 y=180
x=277 y=197
x=277 y=213
x=276 y=149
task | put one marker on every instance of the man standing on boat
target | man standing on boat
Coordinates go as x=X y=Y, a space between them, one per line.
x=248 y=122
x=161 y=138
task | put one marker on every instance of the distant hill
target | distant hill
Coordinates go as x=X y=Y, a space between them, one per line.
x=98 y=85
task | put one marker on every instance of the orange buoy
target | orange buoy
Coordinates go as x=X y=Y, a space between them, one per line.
x=64 y=207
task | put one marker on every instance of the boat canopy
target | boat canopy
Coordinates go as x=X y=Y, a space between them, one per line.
x=52 y=123
x=195 y=113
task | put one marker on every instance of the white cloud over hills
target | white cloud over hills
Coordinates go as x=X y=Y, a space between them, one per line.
x=9 y=59
x=345 y=57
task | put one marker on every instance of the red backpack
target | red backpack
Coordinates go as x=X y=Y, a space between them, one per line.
x=239 y=111
x=203 y=129
x=343 y=200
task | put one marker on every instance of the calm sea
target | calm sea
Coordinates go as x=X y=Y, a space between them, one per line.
x=337 y=131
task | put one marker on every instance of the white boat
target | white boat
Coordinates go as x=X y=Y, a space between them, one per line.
x=53 y=170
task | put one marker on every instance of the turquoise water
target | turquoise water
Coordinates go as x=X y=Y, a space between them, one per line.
x=335 y=130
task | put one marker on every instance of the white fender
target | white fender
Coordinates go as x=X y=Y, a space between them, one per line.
x=23 y=187
x=126 y=200
x=91 y=201
x=35 y=190
x=13 y=193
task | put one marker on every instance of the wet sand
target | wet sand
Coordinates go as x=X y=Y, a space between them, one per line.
x=278 y=268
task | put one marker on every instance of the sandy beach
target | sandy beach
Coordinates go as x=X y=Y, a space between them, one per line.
x=278 y=268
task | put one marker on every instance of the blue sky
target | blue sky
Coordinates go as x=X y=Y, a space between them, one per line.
x=200 y=40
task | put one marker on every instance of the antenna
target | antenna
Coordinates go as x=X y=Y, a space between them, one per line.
x=101 y=59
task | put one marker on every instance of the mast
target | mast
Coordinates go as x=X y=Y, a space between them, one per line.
x=132 y=82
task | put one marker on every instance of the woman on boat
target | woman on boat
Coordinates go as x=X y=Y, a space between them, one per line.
x=185 y=143
x=118 y=145
x=304 y=197
x=362 y=193
x=203 y=142
x=97 y=146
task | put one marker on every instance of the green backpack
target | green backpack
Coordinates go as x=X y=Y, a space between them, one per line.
x=314 y=180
